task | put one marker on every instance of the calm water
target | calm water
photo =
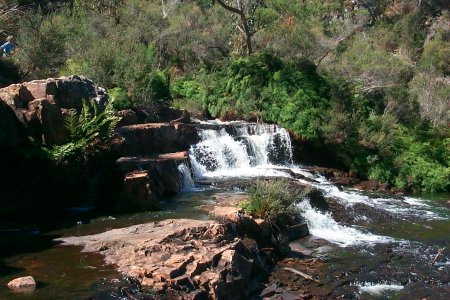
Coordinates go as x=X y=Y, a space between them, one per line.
x=66 y=272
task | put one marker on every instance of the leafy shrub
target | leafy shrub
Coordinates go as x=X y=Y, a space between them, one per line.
x=291 y=94
x=270 y=198
x=41 y=41
x=119 y=99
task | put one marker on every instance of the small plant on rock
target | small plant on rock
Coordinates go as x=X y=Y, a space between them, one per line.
x=269 y=199
x=88 y=129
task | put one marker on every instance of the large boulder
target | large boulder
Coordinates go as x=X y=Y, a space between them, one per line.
x=45 y=121
x=40 y=104
x=137 y=192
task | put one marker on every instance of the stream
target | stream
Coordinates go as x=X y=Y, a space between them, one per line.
x=375 y=246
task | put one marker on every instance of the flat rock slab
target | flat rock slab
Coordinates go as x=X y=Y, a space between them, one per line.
x=180 y=255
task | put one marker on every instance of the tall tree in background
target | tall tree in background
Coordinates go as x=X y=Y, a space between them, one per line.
x=245 y=10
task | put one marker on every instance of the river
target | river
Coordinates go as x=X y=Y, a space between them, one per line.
x=387 y=247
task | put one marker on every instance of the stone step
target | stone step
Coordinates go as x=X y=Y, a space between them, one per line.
x=130 y=163
x=150 y=138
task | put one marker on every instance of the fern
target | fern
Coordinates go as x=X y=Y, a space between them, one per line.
x=85 y=129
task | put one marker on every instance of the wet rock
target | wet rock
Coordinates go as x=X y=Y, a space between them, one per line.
x=317 y=200
x=297 y=287
x=22 y=284
x=297 y=231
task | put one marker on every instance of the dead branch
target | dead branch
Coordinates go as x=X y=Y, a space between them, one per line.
x=304 y=275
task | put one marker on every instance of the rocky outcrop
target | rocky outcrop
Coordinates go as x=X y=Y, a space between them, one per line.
x=152 y=153
x=137 y=192
x=196 y=258
x=148 y=179
x=40 y=105
x=317 y=200
x=146 y=139
x=22 y=284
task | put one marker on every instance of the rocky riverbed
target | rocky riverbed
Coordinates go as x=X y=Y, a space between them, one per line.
x=348 y=240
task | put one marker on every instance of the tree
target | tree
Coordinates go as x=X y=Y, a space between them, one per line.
x=244 y=9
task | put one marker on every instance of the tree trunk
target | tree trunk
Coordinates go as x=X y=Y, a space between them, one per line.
x=247 y=31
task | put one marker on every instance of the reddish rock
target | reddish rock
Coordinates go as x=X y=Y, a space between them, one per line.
x=39 y=105
x=189 y=256
x=16 y=95
x=45 y=122
x=145 y=139
x=163 y=175
x=22 y=284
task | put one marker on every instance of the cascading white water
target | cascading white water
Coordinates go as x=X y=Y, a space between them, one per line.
x=188 y=184
x=248 y=150
x=322 y=225
x=238 y=149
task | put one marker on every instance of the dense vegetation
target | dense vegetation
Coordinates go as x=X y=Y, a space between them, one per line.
x=366 y=80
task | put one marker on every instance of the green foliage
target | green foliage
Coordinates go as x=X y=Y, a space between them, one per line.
x=263 y=86
x=367 y=135
x=88 y=131
x=41 y=43
x=119 y=99
x=381 y=78
x=270 y=198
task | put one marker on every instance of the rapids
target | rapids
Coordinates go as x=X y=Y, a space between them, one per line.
x=375 y=247
x=243 y=150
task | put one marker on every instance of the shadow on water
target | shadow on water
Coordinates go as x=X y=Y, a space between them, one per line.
x=66 y=272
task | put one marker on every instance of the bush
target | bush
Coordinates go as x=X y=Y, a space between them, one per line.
x=270 y=198
x=119 y=99
x=41 y=45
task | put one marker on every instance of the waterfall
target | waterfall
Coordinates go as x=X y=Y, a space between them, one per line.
x=241 y=149
x=188 y=184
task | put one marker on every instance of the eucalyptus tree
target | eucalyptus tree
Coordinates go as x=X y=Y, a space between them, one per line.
x=246 y=21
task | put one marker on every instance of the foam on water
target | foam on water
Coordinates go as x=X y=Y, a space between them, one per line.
x=323 y=225
x=252 y=151
x=402 y=206
x=239 y=149
x=378 y=289
x=188 y=184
